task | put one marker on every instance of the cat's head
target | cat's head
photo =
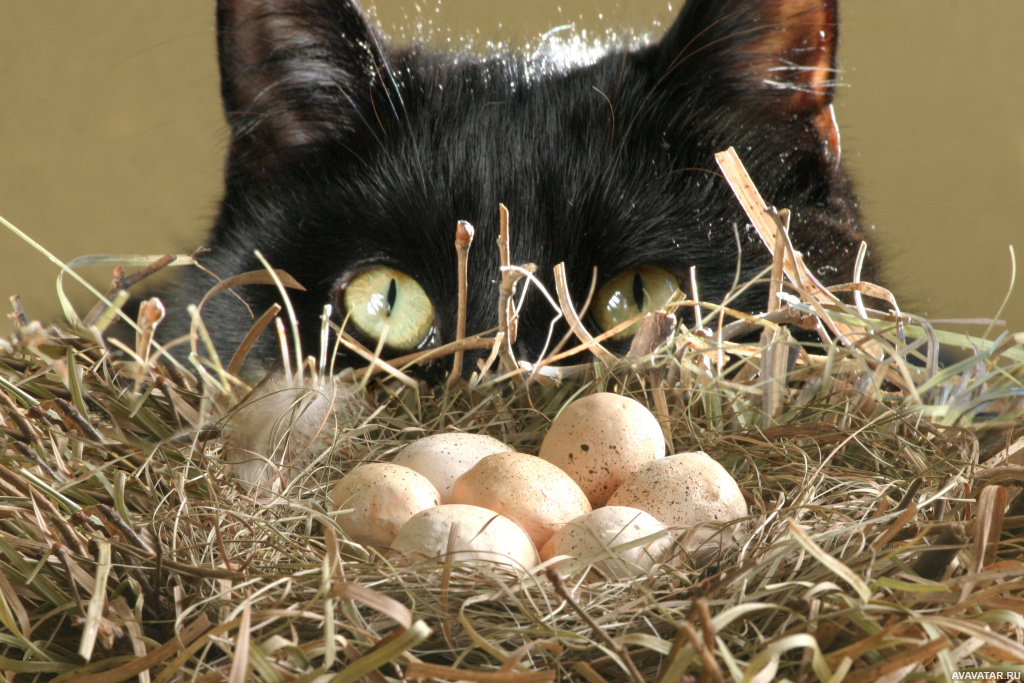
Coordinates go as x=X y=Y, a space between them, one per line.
x=352 y=160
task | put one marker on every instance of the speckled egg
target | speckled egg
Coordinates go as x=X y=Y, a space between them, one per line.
x=601 y=440
x=382 y=497
x=683 y=490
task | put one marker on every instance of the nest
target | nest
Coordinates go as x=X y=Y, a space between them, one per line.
x=883 y=539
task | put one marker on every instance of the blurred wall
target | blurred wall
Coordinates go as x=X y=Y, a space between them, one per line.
x=111 y=137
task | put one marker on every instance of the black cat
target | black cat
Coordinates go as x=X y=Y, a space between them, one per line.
x=351 y=161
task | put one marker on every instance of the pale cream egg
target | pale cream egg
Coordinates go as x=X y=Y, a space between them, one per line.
x=619 y=541
x=531 y=491
x=475 y=533
x=443 y=458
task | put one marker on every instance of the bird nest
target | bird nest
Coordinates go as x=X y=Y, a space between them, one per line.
x=883 y=538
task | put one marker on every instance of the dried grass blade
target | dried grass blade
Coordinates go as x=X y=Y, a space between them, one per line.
x=257 y=328
x=14 y=616
x=513 y=661
x=183 y=639
x=467 y=623
x=769 y=227
x=618 y=650
x=376 y=361
x=590 y=674
x=252 y=277
x=862 y=646
x=269 y=276
x=988 y=527
x=189 y=652
x=28 y=432
x=150 y=262
x=765 y=664
x=240 y=660
x=675 y=665
x=74 y=382
x=97 y=602
x=569 y=311
x=774 y=361
x=902 y=661
x=831 y=563
x=135 y=632
x=67 y=308
x=389 y=607
x=1009 y=649
x=778 y=262
x=264 y=668
x=45 y=667
x=424 y=670
x=901 y=522
x=1008 y=454
x=388 y=652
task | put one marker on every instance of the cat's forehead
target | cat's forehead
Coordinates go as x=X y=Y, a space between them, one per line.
x=509 y=121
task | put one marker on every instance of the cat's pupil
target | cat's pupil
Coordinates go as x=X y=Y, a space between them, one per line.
x=392 y=295
x=638 y=291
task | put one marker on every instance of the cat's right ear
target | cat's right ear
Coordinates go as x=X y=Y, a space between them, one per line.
x=294 y=73
x=779 y=56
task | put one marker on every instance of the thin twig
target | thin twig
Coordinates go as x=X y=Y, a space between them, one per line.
x=17 y=316
x=375 y=360
x=506 y=314
x=476 y=341
x=581 y=332
x=151 y=314
x=124 y=282
x=463 y=241
x=768 y=223
x=583 y=311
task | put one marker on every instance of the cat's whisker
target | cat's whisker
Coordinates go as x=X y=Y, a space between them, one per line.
x=384 y=67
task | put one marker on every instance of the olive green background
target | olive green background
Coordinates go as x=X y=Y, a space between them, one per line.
x=111 y=136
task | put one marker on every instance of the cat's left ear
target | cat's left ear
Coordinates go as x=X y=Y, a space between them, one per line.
x=785 y=49
x=294 y=73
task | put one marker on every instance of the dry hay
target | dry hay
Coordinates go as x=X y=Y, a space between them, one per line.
x=883 y=539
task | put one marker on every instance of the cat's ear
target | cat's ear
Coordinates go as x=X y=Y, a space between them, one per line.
x=293 y=73
x=783 y=48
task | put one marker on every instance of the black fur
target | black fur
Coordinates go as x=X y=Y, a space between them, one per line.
x=347 y=153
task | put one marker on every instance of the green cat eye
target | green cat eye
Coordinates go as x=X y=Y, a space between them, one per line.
x=384 y=298
x=632 y=292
